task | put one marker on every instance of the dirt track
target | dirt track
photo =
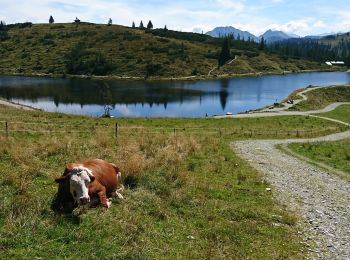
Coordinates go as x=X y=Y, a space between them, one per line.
x=320 y=198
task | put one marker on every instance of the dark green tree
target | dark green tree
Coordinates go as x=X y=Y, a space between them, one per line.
x=262 y=44
x=165 y=28
x=2 y=25
x=150 y=25
x=133 y=24
x=141 y=25
x=225 y=52
x=51 y=20
x=110 y=22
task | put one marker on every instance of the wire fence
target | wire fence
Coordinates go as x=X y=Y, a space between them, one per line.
x=11 y=127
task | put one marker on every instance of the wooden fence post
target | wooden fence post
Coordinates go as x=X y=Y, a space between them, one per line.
x=116 y=129
x=220 y=132
x=7 y=129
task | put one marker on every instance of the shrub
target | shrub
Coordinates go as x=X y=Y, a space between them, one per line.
x=80 y=61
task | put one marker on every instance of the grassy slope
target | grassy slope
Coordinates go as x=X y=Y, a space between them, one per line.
x=342 y=113
x=335 y=154
x=320 y=98
x=42 y=48
x=188 y=184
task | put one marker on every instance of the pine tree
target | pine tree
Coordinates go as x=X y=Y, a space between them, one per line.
x=110 y=22
x=51 y=20
x=149 y=25
x=165 y=28
x=262 y=44
x=141 y=25
x=225 y=52
x=133 y=24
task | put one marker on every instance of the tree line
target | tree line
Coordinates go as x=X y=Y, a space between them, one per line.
x=314 y=49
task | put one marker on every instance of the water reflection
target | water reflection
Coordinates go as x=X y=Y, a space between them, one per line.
x=130 y=98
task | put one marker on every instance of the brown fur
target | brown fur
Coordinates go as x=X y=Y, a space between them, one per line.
x=105 y=181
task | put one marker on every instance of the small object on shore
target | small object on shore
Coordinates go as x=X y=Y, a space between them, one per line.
x=229 y=114
x=190 y=237
x=268 y=189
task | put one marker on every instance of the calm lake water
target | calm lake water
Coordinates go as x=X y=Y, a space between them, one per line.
x=159 y=99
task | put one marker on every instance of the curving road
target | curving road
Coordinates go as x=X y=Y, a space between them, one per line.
x=321 y=199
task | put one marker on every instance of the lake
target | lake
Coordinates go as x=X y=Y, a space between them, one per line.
x=161 y=98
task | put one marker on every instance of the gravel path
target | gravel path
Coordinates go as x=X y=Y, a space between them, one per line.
x=283 y=111
x=321 y=199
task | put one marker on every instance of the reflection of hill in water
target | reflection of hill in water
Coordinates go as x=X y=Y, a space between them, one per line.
x=87 y=92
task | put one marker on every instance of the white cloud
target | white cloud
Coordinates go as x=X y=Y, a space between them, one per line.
x=255 y=16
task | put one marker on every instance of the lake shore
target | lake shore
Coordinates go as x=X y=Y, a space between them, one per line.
x=183 y=78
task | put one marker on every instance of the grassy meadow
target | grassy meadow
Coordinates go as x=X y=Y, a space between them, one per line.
x=96 y=49
x=322 y=97
x=188 y=194
x=334 y=154
x=341 y=113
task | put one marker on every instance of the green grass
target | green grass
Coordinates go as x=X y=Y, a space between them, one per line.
x=187 y=183
x=43 y=49
x=334 y=154
x=341 y=113
x=320 y=98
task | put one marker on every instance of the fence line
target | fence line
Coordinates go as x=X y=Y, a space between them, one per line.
x=121 y=131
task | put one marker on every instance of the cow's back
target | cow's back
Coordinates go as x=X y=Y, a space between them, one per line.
x=104 y=172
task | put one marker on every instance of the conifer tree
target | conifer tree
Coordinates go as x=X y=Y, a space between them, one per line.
x=165 y=28
x=149 y=25
x=262 y=44
x=51 y=20
x=110 y=22
x=141 y=25
x=225 y=52
x=133 y=24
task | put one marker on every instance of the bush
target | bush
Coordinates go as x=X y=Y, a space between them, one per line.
x=153 y=69
x=80 y=61
x=4 y=36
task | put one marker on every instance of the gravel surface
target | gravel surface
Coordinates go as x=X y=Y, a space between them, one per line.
x=321 y=199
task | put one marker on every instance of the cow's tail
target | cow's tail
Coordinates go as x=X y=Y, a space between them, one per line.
x=120 y=187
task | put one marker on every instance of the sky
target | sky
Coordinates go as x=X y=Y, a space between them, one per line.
x=302 y=17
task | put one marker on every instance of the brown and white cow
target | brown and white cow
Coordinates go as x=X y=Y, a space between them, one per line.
x=87 y=182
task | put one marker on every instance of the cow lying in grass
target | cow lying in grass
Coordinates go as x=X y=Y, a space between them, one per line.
x=89 y=182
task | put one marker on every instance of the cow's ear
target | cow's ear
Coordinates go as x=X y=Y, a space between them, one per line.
x=92 y=178
x=62 y=178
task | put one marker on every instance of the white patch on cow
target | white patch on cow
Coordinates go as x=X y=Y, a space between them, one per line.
x=79 y=181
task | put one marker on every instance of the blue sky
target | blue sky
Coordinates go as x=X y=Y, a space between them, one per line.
x=303 y=17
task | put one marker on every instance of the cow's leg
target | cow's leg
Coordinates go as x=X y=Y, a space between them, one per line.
x=103 y=199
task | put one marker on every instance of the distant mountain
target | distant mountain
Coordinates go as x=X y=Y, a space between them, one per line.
x=229 y=30
x=275 y=36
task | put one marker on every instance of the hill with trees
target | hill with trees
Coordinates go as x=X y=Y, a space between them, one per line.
x=118 y=51
x=329 y=48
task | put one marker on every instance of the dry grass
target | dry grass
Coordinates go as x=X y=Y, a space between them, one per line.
x=178 y=185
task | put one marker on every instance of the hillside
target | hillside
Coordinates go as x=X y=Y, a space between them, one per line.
x=91 y=49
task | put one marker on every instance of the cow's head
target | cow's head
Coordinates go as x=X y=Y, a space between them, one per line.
x=79 y=179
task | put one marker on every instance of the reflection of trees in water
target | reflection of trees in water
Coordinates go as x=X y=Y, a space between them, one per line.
x=224 y=93
x=86 y=92
x=112 y=93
